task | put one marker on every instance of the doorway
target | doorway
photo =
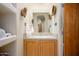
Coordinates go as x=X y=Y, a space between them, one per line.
x=71 y=29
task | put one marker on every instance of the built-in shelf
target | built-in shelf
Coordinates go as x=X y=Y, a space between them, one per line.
x=7 y=8
x=7 y=40
x=8 y=23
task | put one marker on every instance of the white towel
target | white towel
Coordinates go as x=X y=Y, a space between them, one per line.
x=2 y=33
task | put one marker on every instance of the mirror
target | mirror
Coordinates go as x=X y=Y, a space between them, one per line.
x=41 y=22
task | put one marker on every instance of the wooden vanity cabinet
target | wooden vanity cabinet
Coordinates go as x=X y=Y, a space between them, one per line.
x=38 y=47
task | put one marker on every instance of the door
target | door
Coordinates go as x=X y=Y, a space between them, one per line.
x=31 y=47
x=48 y=48
x=71 y=29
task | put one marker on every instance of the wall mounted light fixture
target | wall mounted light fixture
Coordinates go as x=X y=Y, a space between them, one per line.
x=53 y=12
x=54 y=9
x=24 y=12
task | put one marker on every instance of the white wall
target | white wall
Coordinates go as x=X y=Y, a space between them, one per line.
x=31 y=8
x=59 y=29
x=20 y=29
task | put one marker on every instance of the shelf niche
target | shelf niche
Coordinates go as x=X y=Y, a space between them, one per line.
x=8 y=23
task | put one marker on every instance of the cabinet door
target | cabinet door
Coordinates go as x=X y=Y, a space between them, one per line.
x=48 y=48
x=40 y=47
x=71 y=29
x=31 y=47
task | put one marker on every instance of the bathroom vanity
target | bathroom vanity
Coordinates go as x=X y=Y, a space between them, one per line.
x=41 y=46
x=41 y=39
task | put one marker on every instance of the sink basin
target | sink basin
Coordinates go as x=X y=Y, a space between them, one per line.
x=43 y=36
